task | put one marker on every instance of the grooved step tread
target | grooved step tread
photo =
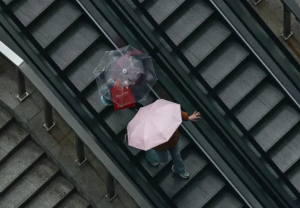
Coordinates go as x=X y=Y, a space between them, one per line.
x=54 y=22
x=201 y=44
x=226 y=200
x=36 y=177
x=220 y=64
x=172 y=183
x=28 y=10
x=287 y=153
x=275 y=126
x=203 y=189
x=74 y=201
x=5 y=117
x=161 y=9
x=10 y=139
x=117 y=120
x=93 y=97
x=73 y=43
x=52 y=194
x=81 y=73
x=18 y=163
x=240 y=84
x=180 y=26
x=258 y=104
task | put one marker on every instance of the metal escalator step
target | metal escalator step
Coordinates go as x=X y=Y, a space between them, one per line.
x=222 y=62
x=226 y=200
x=183 y=142
x=27 y=10
x=294 y=177
x=287 y=153
x=258 y=104
x=197 y=47
x=275 y=126
x=10 y=140
x=240 y=84
x=81 y=72
x=160 y=9
x=191 y=16
x=93 y=97
x=118 y=120
x=30 y=184
x=72 y=44
x=171 y=183
x=203 y=189
x=51 y=25
x=52 y=194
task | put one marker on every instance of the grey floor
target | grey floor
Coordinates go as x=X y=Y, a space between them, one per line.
x=59 y=143
x=271 y=12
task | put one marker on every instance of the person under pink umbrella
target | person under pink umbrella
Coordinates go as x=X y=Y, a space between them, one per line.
x=155 y=130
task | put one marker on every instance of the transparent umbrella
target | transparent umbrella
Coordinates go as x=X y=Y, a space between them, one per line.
x=125 y=72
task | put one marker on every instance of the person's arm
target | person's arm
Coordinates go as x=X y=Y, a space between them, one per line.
x=185 y=116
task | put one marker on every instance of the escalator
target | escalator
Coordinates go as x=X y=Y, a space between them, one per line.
x=208 y=47
x=71 y=42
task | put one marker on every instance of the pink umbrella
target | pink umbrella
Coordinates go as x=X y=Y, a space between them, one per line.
x=154 y=124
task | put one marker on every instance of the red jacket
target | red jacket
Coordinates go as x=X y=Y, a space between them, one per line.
x=174 y=138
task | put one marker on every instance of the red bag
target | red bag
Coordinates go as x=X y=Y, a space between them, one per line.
x=122 y=95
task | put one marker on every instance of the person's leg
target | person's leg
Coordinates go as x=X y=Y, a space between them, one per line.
x=178 y=166
x=152 y=157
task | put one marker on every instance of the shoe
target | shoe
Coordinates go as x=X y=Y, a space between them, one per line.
x=184 y=175
x=154 y=164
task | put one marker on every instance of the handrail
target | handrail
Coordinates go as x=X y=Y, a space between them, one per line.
x=146 y=32
x=203 y=82
x=74 y=103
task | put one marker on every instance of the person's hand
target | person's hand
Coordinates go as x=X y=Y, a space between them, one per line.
x=195 y=116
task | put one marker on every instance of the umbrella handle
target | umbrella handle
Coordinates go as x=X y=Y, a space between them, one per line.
x=126 y=137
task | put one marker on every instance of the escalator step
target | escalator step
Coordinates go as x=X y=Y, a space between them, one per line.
x=205 y=41
x=294 y=177
x=27 y=10
x=93 y=97
x=171 y=183
x=81 y=73
x=254 y=107
x=275 y=126
x=240 y=84
x=55 y=22
x=226 y=200
x=188 y=19
x=160 y=9
x=202 y=190
x=72 y=44
x=223 y=62
x=287 y=153
x=118 y=120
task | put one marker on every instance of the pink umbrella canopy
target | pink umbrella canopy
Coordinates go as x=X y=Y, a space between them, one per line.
x=154 y=124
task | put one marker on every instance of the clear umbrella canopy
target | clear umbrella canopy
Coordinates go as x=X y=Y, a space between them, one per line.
x=125 y=69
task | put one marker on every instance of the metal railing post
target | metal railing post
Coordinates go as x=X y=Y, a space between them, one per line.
x=22 y=94
x=49 y=124
x=80 y=151
x=110 y=184
x=287 y=32
x=256 y=2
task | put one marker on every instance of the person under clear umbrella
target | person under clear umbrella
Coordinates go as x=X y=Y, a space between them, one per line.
x=159 y=153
